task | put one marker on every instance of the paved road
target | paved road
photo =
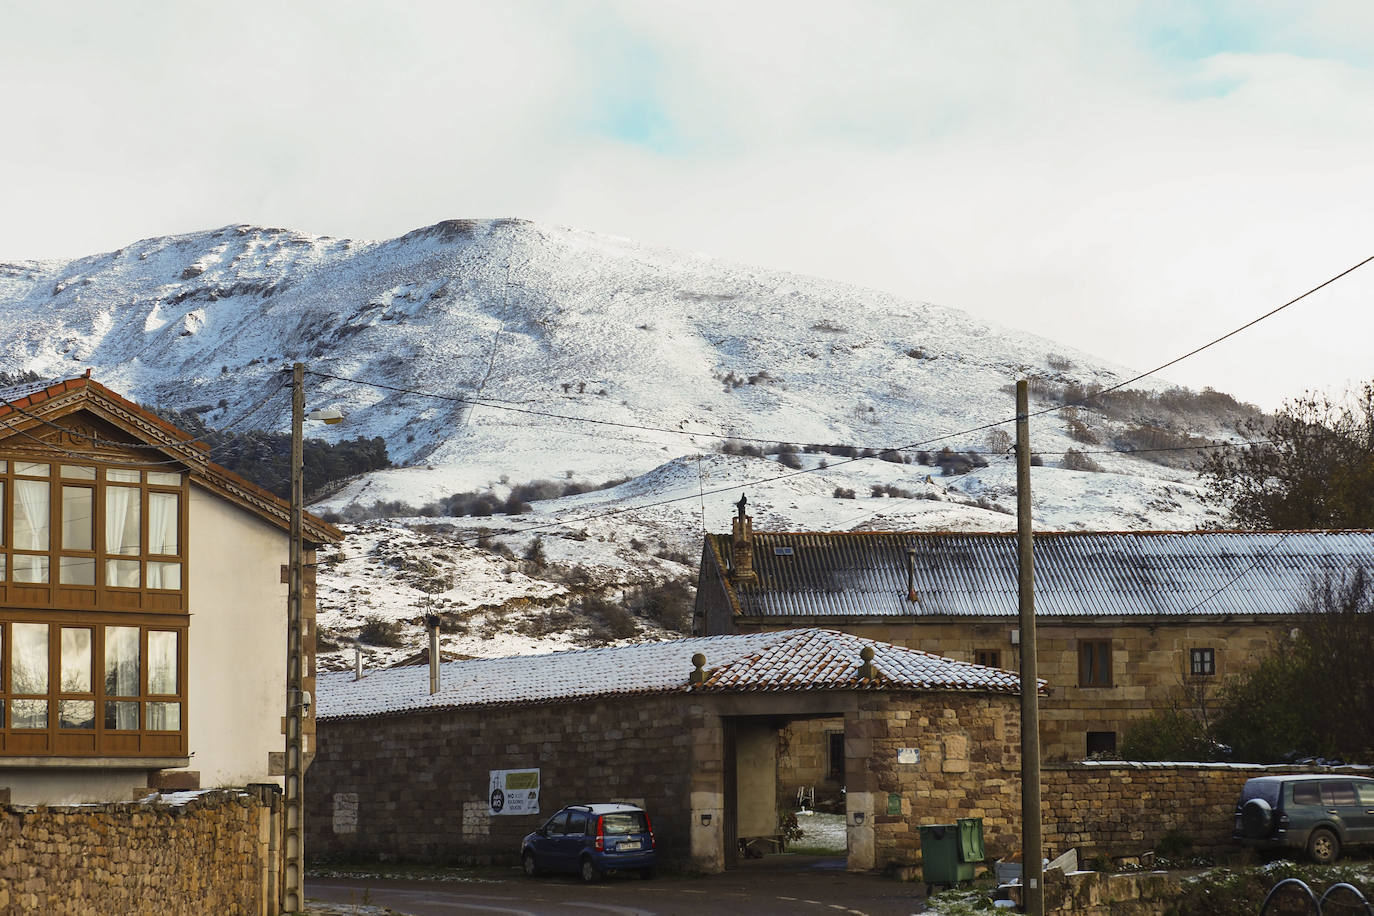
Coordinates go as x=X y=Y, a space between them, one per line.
x=781 y=885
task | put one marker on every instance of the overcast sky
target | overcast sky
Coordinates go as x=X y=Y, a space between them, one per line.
x=1131 y=179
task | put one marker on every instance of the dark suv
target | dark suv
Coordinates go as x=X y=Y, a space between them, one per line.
x=1319 y=814
x=591 y=840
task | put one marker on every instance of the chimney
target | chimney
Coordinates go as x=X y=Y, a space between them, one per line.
x=432 y=625
x=911 y=576
x=357 y=659
x=742 y=546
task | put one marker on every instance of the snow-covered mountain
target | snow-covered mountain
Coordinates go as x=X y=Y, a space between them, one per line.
x=491 y=354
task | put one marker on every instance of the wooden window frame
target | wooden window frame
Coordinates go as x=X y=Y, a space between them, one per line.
x=97 y=741
x=988 y=658
x=1202 y=662
x=98 y=596
x=1095 y=663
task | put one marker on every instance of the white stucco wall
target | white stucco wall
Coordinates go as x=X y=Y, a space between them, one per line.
x=237 y=652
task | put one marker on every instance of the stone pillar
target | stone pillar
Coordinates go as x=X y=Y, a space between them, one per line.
x=707 y=793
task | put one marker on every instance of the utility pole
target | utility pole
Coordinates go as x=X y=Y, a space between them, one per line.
x=293 y=877
x=1032 y=857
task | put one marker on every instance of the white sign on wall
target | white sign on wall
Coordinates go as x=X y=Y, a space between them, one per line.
x=513 y=792
x=908 y=755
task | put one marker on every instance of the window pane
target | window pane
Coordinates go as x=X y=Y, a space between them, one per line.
x=31 y=498
x=31 y=468
x=76 y=570
x=28 y=714
x=78 y=472
x=121 y=520
x=3 y=532
x=30 y=568
x=121 y=573
x=121 y=662
x=123 y=475
x=121 y=714
x=78 y=519
x=165 y=478
x=29 y=658
x=162 y=662
x=76 y=661
x=162 y=522
x=164 y=575
x=76 y=714
x=164 y=716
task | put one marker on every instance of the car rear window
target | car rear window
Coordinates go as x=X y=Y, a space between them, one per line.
x=1261 y=788
x=622 y=822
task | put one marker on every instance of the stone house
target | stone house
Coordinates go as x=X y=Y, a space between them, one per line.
x=142 y=605
x=690 y=729
x=1125 y=621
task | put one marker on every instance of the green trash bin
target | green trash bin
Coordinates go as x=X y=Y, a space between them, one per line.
x=940 y=856
x=971 y=849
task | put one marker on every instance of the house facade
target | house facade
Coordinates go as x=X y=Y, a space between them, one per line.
x=142 y=605
x=1126 y=621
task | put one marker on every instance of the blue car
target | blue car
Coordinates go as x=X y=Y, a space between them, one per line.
x=591 y=840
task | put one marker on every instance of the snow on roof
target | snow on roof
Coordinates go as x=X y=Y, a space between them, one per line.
x=1077 y=573
x=787 y=660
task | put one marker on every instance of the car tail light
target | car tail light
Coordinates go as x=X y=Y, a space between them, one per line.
x=650 y=824
x=600 y=834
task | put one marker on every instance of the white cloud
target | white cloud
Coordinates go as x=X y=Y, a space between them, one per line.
x=1062 y=166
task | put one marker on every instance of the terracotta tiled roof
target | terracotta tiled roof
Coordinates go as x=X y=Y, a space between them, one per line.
x=787 y=660
x=1100 y=574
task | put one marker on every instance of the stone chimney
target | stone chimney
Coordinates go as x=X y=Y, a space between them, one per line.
x=742 y=547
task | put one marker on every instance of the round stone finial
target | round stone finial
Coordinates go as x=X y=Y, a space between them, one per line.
x=866 y=653
x=699 y=660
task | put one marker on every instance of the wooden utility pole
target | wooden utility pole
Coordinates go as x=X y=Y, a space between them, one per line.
x=293 y=846
x=1032 y=856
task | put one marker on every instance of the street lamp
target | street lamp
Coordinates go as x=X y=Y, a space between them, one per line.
x=297 y=700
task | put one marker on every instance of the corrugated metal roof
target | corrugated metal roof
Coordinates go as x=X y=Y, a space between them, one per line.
x=786 y=660
x=1158 y=573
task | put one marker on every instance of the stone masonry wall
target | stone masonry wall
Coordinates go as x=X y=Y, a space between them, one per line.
x=209 y=854
x=969 y=766
x=415 y=787
x=1150 y=663
x=804 y=763
x=1124 y=809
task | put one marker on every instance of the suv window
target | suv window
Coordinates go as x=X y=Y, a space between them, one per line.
x=577 y=822
x=1338 y=793
x=1367 y=793
x=1307 y=793
x=557 y=825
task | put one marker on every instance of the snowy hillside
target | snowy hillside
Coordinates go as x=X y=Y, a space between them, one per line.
x=510 y=338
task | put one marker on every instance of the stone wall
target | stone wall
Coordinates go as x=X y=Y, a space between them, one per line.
x=209 y=852
x=1125 y=809
x=968 y=765
x=415 y=786
x=1150 y=662
x=804 y=763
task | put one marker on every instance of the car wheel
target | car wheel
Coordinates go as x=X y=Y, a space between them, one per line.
x=646 y=873
x=588 y=871
x=528 y=864
x=1323 y=847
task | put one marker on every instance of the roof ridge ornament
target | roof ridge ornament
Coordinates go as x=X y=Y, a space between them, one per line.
x=867 y=671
